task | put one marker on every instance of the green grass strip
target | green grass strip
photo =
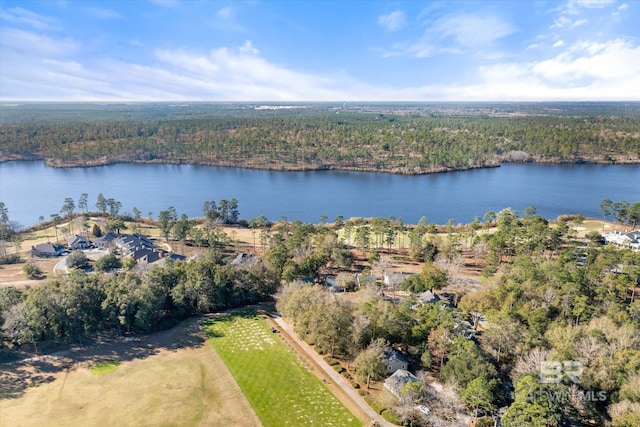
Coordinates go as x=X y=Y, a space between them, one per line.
x=105 y=367
x=280 y=389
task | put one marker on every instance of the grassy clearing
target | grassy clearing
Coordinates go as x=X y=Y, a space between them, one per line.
x=280 y=389
x=185 y=387
x=105 y=367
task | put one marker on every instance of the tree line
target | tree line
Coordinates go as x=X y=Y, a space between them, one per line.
x=321 y=139
x=71 y=308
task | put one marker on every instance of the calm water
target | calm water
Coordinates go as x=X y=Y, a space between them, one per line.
x=30 y=189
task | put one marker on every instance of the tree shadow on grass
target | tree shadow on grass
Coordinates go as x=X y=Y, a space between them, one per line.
x=18 y=376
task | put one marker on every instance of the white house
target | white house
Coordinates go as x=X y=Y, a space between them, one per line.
x=629 y=240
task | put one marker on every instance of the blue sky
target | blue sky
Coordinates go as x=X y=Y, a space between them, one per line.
x=329 y=50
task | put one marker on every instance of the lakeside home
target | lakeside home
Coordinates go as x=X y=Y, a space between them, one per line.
x=629 y=239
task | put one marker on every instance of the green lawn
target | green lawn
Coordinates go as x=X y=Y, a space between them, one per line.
x=280 y=389
x=105 y=367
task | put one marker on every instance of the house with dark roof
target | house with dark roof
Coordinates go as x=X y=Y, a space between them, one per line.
x=395 y=360
x=130 y=243
x=47 y=250
x=396 y=382
x=78 y=242
x=138 y=247
x=107 y=241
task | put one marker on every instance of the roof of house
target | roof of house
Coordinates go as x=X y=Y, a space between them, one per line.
x=391 y=354
x=106 y=238
x=428 y=297
x=395 y=278
x=48 y=248
x=244 y=260
x=74 y=240
x=141 y=253
x=398 y=380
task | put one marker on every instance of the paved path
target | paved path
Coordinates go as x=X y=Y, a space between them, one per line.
x=328 y=370
x=61 y=266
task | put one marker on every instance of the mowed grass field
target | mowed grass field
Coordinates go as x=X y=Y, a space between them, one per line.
x=185 y=387
x=280 y=389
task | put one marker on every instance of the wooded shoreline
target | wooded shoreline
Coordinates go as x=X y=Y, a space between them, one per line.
x=386 y=139
x=311 y=168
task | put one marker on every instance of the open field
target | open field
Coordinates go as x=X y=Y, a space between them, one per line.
x=169 y=378
x=281 y=390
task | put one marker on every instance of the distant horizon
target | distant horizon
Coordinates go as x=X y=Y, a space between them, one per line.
x=319 y=51
x=302 y=102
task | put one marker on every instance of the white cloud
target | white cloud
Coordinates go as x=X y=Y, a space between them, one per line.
x=559 y=43
x=225 y=13
x=19 y=15
x=103 y=13
x=587 y=70
x=29 y=45
x=39 y=67
x=473 y=30
x=456 y=34
x=616 y=59
x=564 y=22
x=394 y=21
x=247 y=47
x=591 y=4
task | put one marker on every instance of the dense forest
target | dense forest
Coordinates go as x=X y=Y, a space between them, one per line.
x=398 y=138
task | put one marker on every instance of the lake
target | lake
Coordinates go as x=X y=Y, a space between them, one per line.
x=31 y=189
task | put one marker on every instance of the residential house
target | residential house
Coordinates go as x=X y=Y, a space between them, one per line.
x=428 y=297
x=629 y=240
x=169 y=257
x=395 y=360
x=107 y=241
x=396 y=382
x=78 y=242
x=130 y=243
x=243 y=260
x=136 y=246
x=47 y=250
x=394 y=279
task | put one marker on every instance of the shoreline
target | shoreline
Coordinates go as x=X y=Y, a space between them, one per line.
x=311 y=168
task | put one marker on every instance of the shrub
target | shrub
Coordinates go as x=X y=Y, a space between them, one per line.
x=339 y=369
x=32 y=271
x=107 y=263
x=77 y=259
x=331 y=361
x=10 y=259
